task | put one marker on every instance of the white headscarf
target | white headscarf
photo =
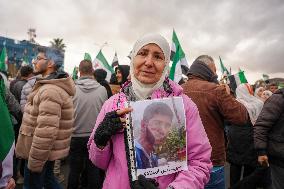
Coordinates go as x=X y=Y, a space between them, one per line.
x=252 y=104
x=266 y=95
x=141 y=90
x=256 y=91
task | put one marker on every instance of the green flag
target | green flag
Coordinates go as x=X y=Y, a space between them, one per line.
x=179 y=65
x=224 y=70
x=4 y=60
x=242 y=77
x=6 y=128
x=236 y=79
x=25 y=61
x=101 y=63
x=75 y=73
x=87 y=56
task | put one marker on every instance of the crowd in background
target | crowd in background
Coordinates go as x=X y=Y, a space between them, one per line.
x=54 y=117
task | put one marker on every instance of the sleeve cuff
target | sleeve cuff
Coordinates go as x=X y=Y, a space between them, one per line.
x=102 y=148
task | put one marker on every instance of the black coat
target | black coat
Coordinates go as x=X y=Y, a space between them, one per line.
x=108 y=89
x=269 y=129
x=240 y=147
x=16 y=89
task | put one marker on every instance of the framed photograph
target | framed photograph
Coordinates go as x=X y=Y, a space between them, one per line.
x=156 y=137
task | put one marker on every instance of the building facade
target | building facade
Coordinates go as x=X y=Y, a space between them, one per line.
x=23 y=51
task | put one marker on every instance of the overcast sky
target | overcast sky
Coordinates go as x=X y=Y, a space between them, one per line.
x=247 y=33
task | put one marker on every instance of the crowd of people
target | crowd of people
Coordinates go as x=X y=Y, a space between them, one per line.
x=54 y=117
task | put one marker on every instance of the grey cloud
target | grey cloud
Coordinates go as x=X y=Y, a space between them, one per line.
x=246 y=33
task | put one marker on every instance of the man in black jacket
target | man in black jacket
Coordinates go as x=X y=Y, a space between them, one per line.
x=25 y=73
x=269 y=137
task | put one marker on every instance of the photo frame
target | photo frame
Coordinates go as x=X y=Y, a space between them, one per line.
x=156 y=137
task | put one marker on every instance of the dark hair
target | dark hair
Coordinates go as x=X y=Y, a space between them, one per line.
x=100 y=75
x=25 y=71
x=52 y=55
x=86 y=67
x=113 y=80
x=157 y=108
x=124 y=69
x=272 y=84
x=41 y=50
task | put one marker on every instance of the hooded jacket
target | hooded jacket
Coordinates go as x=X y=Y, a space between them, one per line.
x=124 y=69
x=27 y=89
x=47 y=123
x=113 y=157
x=269 y=129
x=88 y=101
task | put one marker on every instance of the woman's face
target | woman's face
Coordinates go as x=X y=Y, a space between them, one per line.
x=149 y=64
x=118 y=75
x=265 y=95
x=259 y=92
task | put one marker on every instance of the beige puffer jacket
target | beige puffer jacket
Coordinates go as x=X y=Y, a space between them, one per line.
x=47 y=124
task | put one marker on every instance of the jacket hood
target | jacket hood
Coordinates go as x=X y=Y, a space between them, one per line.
x=66 y=84
x=124 y=69
x=87 y=84
x=201 y=70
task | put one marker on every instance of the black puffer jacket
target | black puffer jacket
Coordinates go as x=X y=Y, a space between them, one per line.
x=269 y=129
x=16 y=90
x=240 y=148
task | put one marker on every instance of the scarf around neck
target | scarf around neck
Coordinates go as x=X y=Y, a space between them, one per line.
x=201 y=70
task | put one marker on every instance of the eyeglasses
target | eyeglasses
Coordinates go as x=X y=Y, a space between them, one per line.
x=40 y=58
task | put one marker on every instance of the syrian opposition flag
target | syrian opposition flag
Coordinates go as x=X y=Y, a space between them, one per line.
x=179 y=62
x=4 y=60
x=7 y=140
x=87 y=56
x=237 y=79
x=25 y=61
x=75 y=73
x=115 y=61
x=224 y=70
x=101 y=63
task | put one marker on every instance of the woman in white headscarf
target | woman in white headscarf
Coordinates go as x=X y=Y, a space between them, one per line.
x=252 y=104
x=148 y=70
x=265 y=95
x=240 y=150
x=258 y=92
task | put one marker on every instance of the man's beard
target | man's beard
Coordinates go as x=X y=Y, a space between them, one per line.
x=42 y=69
x=39 y=72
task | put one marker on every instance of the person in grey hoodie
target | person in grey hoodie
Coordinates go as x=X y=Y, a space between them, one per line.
x=88 y=101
